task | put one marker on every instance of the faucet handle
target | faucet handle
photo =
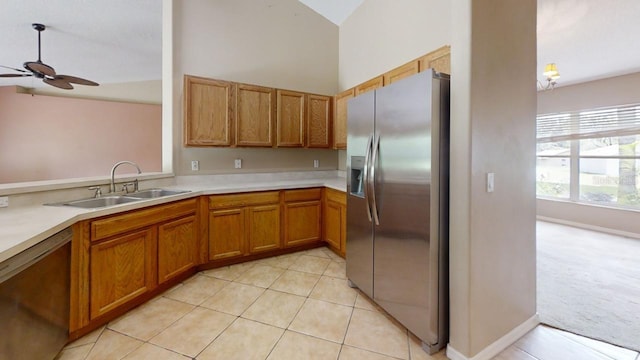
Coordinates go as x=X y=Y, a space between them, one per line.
x=125 y=187
x=98 y=191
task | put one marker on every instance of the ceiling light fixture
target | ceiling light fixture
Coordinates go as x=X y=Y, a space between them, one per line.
x=552 y=74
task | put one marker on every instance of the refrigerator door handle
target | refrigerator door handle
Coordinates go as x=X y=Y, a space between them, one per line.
x=372 y=178
x=367 y=158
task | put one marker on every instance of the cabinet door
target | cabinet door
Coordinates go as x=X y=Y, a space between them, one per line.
x=122 y=269
x=290 y=119
x=177 y=247
x=439 y=60
x=318 y=121
x=369 y=85
x=226 y=233
x=208 y=112
x=333 y=224
x=340 y=119
x=302 y=222
x=264 y=228
x=255 y=115
x=401 y=72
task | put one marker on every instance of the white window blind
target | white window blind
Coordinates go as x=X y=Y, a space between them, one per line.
x=594 y=123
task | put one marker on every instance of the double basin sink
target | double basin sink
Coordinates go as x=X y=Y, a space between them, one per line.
x=110 y=200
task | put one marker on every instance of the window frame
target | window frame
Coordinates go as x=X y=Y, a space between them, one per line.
x=568 y=128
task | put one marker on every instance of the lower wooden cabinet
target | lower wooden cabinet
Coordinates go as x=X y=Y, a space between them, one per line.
x=122 y=269
x=226 y=233
x=264 y=228
x=177 y=247
x=243 y=224
x=335 y=221
x=118 y=259
x=302 y=216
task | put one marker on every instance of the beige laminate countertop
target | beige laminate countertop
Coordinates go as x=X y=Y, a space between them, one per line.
x=23 y=227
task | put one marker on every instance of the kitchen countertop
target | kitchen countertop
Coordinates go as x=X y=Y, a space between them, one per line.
x=23 y=227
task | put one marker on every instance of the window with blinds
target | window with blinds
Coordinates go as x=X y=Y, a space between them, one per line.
x=595 y=123
x=590 y=156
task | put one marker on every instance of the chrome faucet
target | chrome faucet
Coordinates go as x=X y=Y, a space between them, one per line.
x=112 y=187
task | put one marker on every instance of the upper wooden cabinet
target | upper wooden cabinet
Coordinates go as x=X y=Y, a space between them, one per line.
x=304 y=120
x=369 y=85
x=223 y=113
x=318 y=125
x=340 y=119
x=439 y=60
x=208 y=112
x=255 y=115
x=401 y=72
x=291 y=119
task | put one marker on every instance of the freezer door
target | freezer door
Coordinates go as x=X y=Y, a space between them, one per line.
x=406 y=241
x=359 y=252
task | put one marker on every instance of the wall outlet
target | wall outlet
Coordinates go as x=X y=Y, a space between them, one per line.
x=316 y=163
x=195 y=165
x=4 y=201
x=490 y=184
x=238 y=163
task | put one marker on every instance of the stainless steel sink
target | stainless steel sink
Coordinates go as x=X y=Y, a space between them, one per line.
x=111 y=200
x=104 y=201
x=155 y=193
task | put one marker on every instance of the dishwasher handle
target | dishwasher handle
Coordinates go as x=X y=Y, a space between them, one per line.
x=26 y=258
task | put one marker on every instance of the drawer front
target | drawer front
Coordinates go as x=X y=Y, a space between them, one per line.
x=337 y=196
x=303 y=194
x=240 y=200
x=113 y=225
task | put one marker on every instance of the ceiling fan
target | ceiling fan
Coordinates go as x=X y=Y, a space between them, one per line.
x=45 y=72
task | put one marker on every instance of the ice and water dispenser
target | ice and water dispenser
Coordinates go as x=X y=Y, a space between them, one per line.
x=357 y=176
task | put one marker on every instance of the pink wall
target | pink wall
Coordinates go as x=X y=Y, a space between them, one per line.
x=47 y=137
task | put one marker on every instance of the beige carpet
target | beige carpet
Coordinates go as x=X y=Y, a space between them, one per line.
x=589 y=283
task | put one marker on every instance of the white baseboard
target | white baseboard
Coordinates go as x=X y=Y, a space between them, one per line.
x=590 y=227
x=499 y=345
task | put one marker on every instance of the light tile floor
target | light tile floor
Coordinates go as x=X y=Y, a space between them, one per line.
x=295 y=306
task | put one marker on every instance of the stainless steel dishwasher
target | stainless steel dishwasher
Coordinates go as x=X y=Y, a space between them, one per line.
x=34 y=300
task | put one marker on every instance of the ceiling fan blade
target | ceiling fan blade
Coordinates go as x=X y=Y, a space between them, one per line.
x=14 y=75
x=76 y=80
x=40 y=67
x=7 y=67
x=59 y=83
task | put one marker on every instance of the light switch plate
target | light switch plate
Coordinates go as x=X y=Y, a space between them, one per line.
x=316 y=163
x=4 y=201
x=490 y=182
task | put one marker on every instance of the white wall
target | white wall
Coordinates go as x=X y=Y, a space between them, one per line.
x=276 y=43
x=492 y=243
x=619 y=90
x=381 y=35
x=493 y=261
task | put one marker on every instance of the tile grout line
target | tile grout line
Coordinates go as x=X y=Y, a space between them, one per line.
x=227 y=282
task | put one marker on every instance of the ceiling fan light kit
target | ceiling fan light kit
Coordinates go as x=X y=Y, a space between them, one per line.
x=45 y=72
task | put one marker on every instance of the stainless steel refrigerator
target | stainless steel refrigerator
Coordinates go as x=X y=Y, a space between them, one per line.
x=397 y=203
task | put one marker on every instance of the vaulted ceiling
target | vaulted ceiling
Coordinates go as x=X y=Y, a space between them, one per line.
x=120 y=40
